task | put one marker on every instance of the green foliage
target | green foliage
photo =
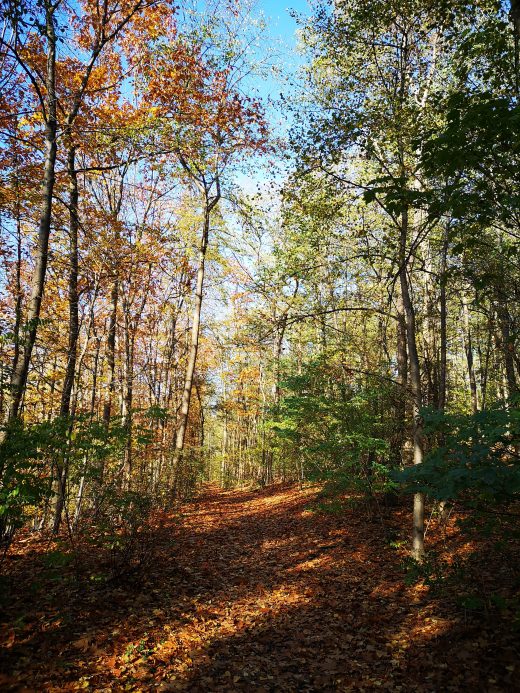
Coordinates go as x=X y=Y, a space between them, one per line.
x=478 y=461
x=191 y=469
x=433 y=571
x=29 y=456
x=477 y=156
x=57 y=559
x=24 y=472
x=120 y=530
x=458 y=580
x=334 y=428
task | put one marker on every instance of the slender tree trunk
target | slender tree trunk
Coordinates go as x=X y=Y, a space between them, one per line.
x=18 y=280
x=515 y=18
x=224 y=449
x=468 y=347
x=111 y=351
x=431 y=362
x=443 y=361
x=277 y=355
x=443 y=366
x=129 y=394
x=504 y=322
x=415 y=383
x=193 y=346
x=81 y=489
x=484 y=364
x=72 y=350
x=20 y=373
x=402 y=376
x=201 y=418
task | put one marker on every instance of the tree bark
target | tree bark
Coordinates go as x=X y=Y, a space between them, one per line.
x=415 y=383
x=111 y=351
x=515 y=19
x=468 y=347
x=72 y=350
x=443 y=366
x=506 y=343
x=431 y=360
x=18 y=277
x=402 y=377
x=194 y=342
x=20 y=373
x=128 y=399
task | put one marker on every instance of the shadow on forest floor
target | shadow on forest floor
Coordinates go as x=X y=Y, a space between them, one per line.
x=249 y=591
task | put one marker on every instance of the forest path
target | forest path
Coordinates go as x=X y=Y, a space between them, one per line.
x=247 y=591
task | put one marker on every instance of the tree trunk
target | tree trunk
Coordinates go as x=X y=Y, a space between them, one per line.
x=515 y=18
x=81 y=490
x=193 y=347
x=129 y=395
x=468 y=347
x=402 y=377
x=111 y=351
x=506 y=342
x=18 y=279
x=431 y=361
x=20 y=373
x=268 y=456
x=415 y=383
x=72 y=350
x=443 y=366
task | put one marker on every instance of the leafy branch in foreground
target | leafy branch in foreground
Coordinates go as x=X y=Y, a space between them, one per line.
x=477 y=461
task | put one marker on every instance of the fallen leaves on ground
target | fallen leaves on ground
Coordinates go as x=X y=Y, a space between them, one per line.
x=249 y=591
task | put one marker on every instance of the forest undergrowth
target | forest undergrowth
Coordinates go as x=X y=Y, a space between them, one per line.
x=260 y=590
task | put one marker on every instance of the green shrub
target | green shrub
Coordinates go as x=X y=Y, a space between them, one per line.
x=478 y=461
x=25 y=472
x=120 y=530
x=335 y=430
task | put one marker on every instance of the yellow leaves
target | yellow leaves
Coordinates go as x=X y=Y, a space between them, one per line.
x=29 y=121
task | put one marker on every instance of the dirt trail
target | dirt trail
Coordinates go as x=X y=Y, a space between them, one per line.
x=248 y=591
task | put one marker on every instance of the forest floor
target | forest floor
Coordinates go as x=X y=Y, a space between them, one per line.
x=252 y=591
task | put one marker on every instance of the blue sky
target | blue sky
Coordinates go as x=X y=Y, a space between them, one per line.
x=283 y=23
x=282 y=29
x=281 y=41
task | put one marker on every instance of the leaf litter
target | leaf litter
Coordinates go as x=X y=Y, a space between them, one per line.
x=252 y=591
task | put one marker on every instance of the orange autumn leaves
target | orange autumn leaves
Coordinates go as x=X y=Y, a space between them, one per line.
x=149 y=81
x=200 y=104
